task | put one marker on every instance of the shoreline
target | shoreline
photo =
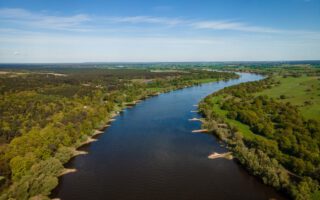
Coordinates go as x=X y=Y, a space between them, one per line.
x=110 y=119
x=196 y=119
x=215 y=155
x=200 y=131
x=128 y=105
x=91 y=138
x=234 y=154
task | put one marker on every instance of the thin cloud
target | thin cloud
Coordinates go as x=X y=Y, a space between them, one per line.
x=226 y=25
x=58 y=48
x=196 y=24
x=25 y=19
x=15 y=13
x=234 y=26
x=147 y=19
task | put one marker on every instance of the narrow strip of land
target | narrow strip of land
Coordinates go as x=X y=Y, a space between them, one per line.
x=200 y=131
x=216 y=155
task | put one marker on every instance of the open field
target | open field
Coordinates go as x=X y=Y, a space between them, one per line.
x=301 y=91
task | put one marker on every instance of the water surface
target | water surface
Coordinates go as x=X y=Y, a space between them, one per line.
x=149 y=152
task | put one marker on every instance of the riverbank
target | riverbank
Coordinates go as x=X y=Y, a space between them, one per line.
x=115 y=113
x=215 y=155
x=47 y=117
x=245 y=156
x=128 y=105
x=258 y=144
x=152 y=143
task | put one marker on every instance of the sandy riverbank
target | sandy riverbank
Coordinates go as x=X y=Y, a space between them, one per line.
x=108 y=121
x=67 y=171
x=89 y=140
x=216 y=155
x=200 y=131
x=92 y=138
x=195 y=119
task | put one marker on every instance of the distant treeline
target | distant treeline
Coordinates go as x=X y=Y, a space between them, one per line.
x=221 y=64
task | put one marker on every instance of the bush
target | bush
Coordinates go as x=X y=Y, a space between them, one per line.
x=283 y=96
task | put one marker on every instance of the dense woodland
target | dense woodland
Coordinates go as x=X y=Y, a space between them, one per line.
x=282 y=148
x=46 y=114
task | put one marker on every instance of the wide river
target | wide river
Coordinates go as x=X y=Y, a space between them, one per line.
x=150 y=153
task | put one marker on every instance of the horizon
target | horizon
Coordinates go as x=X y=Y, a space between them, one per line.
x=161 y=31
x=168 y=62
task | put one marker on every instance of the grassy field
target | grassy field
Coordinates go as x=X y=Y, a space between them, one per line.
x=243 y=128
x=302 y=91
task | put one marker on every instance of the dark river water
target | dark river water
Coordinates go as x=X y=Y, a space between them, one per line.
x=150 y=153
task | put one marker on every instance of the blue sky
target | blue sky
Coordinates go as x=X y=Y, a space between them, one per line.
x=128 y=30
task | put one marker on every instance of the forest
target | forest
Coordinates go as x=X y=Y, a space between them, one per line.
x=47 y=113
x=270 y=128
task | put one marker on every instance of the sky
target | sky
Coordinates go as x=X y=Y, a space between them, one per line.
x=46 y=31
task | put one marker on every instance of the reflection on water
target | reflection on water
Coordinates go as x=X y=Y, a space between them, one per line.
x=149 y=152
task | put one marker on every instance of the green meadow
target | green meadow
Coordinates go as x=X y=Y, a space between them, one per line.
x=303 y=92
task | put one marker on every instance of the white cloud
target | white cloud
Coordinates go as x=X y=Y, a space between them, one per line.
x=40 y=20
x=15 y=13
x=197 y=24
x=234 y=26
x=147 y=19
x=53 y=48
x=84 y=22
x=29 y=37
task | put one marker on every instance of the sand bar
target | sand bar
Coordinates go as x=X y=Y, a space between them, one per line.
x=67 y=171
x=195 y=119
x=215 y=155
x=200 y=131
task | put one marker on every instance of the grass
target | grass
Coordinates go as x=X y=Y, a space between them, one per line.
x=207 y=80
x=243 y=128
x=298 y=91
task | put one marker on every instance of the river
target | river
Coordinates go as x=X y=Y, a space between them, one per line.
x=149 y=152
